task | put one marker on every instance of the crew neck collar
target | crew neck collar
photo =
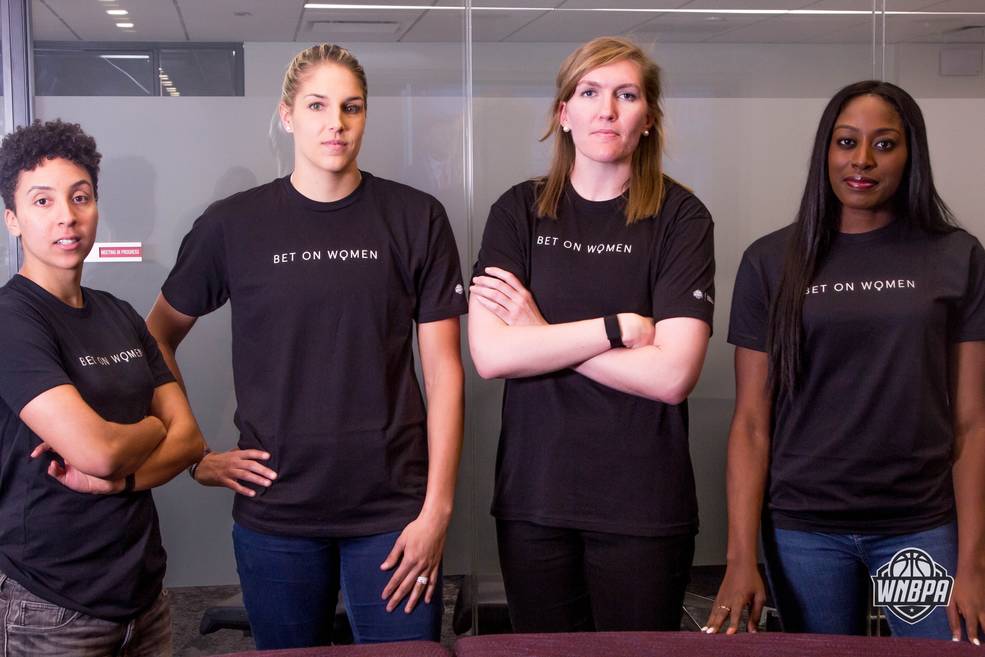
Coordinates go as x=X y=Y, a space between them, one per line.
x=325 y=206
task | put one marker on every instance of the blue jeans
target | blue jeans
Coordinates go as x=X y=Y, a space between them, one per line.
x=820 y=581
x=33 y=626
x=291 y=586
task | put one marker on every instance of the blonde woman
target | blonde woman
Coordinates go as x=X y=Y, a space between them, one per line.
x=593 y=298
x=342 y=480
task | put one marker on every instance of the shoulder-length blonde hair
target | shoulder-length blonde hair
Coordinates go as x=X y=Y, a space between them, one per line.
x=646 y=180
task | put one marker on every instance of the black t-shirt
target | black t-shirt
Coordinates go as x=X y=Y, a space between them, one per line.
x=98 y=554
x=324 y=299
x=865 y=443
x=572 y=452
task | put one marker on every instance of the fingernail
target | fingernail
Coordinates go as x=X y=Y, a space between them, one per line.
x=704 y=628
x=976 y=641
x=956 y=638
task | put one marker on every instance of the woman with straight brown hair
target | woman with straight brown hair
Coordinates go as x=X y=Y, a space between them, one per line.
x=593 y=297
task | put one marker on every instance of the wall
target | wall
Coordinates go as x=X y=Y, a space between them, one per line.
x=740 y=120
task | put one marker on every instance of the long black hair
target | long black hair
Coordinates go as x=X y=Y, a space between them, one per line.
x=916 y=203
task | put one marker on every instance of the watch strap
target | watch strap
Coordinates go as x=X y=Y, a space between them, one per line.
x=613 y=331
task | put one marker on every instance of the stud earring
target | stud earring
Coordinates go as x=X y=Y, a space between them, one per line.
x=646 y=133
x=288 y=128
x=565 y=128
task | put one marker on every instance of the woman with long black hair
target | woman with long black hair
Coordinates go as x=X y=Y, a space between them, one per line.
x=860 y=390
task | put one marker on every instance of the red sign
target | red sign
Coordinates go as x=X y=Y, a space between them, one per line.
x=120 y=251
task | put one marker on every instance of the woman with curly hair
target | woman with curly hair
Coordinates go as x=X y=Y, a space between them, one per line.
x=90 y=420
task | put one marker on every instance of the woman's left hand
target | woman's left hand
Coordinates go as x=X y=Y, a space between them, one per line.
x=417 y=553
x=506 y=297
x=71 y=477
x=968 y=603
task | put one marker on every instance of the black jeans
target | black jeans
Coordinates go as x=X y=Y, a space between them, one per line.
x=569 y=580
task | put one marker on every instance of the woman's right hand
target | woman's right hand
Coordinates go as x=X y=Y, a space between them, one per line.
x=637 y=331
x=230 y=468
x=742 y=587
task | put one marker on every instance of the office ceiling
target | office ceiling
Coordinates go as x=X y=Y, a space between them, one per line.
x=520 y=21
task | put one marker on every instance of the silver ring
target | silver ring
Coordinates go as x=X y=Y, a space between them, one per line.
x=725 y=607
x=422 y=580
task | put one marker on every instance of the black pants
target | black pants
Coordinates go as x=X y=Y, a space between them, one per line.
x=568 y=580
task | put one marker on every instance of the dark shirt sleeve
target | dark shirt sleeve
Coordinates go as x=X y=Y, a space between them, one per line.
x=749 y=320
x=504 y=244
x=440 y=292
x=31 y=363
x=160 y=373
x=685 y=274
x=970 y=321
x=198 y=283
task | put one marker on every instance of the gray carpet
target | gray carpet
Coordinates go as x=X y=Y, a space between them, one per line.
x=189 y=603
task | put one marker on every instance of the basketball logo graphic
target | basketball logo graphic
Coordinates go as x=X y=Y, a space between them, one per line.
x=698 y=294
x=911 y=585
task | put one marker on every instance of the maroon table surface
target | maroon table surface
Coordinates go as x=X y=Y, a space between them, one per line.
x=406 y=649
x=696 y=644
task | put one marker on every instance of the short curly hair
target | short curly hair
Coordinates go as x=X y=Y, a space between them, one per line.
x=26 y=147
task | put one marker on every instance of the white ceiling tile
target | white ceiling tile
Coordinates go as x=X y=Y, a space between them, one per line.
x=487 y=26
x=754 y=4
x=948 y=5
x=154 y=20
x=577 y=26
x=47 y=27
x=802 y=29
x=936 y=29
x=682 y=28
x=265 y=20
x=649 y=5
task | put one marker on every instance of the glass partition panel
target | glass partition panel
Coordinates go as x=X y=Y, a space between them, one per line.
x=82 y=72
x=8 y=244
x=935 y=52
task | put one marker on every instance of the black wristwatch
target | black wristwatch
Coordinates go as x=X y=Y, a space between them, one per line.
x=193 y=468
x=613 y=331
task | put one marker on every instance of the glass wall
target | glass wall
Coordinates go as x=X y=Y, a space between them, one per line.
x=937 y=55
x=462 y=120
x=7 y=244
